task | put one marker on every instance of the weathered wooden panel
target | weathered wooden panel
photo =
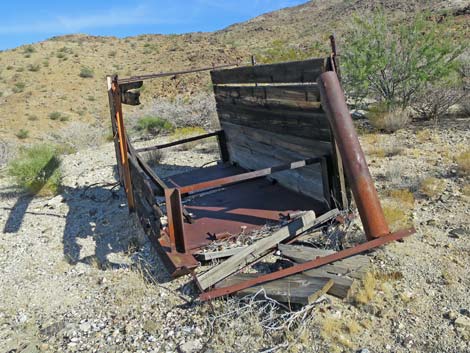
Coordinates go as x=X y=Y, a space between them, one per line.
x=299 y=97
x=252 y=154
x=292 y=122
x=296 y=289
x=294 y=71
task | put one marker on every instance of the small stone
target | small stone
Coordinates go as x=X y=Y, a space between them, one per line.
x=85 y=326
x=457 y=233
x=463 y=322
x=451 y=315
x=363 y=350
x=190 y=346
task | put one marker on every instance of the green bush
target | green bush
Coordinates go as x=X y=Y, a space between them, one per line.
x=393 y=62
x=154 y=125
x=55 y=115
x=34 y=68
x=22 y=134
x=86 y=72
x=19 y=87
x=29 y=49
x=36 y=170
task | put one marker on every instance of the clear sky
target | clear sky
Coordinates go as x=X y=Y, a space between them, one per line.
x=29 y=21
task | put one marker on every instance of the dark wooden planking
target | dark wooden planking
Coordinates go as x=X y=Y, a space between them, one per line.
x=288 y=72
x=295 y=123
x=300 y=97
x=354 y=266
x=297 y=289
x=302 y=146
x=341 y=285
x=251 y=154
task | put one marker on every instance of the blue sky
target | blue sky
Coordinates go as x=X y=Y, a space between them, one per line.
x=30 y=21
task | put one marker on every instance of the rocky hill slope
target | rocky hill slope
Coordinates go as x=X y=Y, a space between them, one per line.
x=58 y=85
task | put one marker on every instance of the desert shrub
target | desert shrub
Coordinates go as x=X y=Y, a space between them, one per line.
x=112 y=53
x=392 y=62
x=196 y=110
x=19 y=87
x=36 y=170
x=22 y=134
x=401 y=196
x=463 y=162
x=34 y=67
x=154 y=125
x=61 y=55
x=432 y=187
x=55 y=115
x=86 y=72
x=185 y=132
x=29 y=49
x=154 y=157
x=64 y=117
x=32 y=117
x=434 y=101
x=280 y=50
x=387 y=119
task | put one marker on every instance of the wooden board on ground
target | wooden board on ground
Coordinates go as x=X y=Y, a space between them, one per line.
x=354 y=266
x=212 y=255
x=255 y=251
x=296 y=289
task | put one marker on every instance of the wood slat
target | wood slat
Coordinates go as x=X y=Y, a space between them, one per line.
x=256 y=250
x=354 y=266
x=300 y=97
x=297 y=289
x=288 y=72
x=292 y=122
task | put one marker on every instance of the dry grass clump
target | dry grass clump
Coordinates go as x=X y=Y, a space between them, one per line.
x=186 y=132
x=154 y=158
x=423 y=135
x=366 y=291
x=384 y=119
x=466 y=190
x=402 y=196
x=379 y=146
x=397 y=217
x=432 y=187
x=463 y=162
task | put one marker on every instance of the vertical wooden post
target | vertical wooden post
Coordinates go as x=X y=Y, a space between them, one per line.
x=121 y=138
x=174 y=211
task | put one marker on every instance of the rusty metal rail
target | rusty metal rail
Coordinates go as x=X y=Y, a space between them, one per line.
x=172 y=73
x=357 y=171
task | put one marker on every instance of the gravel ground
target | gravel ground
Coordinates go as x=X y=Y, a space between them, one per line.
x=78 y=275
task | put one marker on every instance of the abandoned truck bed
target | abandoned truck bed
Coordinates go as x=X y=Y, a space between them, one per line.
x=289 y=158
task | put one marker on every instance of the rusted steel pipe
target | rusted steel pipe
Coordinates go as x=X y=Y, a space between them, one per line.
x=354 y=161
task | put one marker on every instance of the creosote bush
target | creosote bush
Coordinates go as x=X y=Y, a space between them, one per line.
x=154 y=125
x=434 y=102
x=22 y=134
x=55 y=115
x=36 y=170
x=392 y=62
x=86 y=72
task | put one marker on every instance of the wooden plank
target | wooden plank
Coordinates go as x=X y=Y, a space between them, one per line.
x=302 y=146
x=341 y=285
x=212 y=255
x=299 y=97
x=250 y=154
x=296 y=123
x=297 y=289
x=354 y=266
x=288 y=72
x=255 y=251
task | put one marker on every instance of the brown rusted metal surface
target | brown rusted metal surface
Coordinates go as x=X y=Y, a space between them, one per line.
x=124 y=162
x=371 y=244
x=354 y=161
x=237 y=208
x=174 y=210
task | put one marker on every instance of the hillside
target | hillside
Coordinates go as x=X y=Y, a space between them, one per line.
x=41 y=89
